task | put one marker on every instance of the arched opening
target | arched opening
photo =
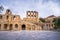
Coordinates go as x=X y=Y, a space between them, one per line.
x=7 y=17
x=0 y=26
x=8 y=10
x=5 y=26
x=0 y=16
x=11 y=27
x=42 y=27
x=16 y=25
x=14 y=17
x=23 y=27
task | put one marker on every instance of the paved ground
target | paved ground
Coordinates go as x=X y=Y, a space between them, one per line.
x=29 y=35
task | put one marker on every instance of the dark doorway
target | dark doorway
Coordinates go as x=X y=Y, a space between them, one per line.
x=42 y=27
x=0 y=26
x=11 y=27
x=16 y=25
x=23 y=27
x=5 y=26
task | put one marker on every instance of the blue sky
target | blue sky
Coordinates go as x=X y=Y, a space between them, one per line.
x=44 y=7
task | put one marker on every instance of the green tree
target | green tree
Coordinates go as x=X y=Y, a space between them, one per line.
x=54 y=19
x=57 y=23
x=43 y=20
x=1 y=8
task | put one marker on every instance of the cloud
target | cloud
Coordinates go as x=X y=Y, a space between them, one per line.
x=47 y=8
x=44 y=7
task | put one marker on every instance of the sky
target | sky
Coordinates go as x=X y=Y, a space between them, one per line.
x=43 y=7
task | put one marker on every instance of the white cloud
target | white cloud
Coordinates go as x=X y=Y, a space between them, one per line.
x=44 y=8
x=48 y=8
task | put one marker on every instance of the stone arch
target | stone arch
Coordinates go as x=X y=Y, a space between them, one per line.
x=0 y=26
x=10 y=26
x=5 y=26
x=7 y=17
x=23 y=27
x=1 y=16
x=16 y=25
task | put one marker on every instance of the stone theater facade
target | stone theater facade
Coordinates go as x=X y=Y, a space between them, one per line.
x=8 y=21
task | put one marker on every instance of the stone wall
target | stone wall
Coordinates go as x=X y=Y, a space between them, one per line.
x=8 y=21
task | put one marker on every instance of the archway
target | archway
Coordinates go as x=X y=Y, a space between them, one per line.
x=11 y=27
x=5 y=26
x=16 y=25
x=23 y=27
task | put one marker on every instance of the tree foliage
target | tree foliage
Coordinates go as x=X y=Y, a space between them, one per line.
x=57 y=23
x=1 y=8
x=54 y=19
x=43 y=20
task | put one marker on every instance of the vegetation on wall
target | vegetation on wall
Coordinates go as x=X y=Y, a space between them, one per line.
x=43 y=20
x=57 y=23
